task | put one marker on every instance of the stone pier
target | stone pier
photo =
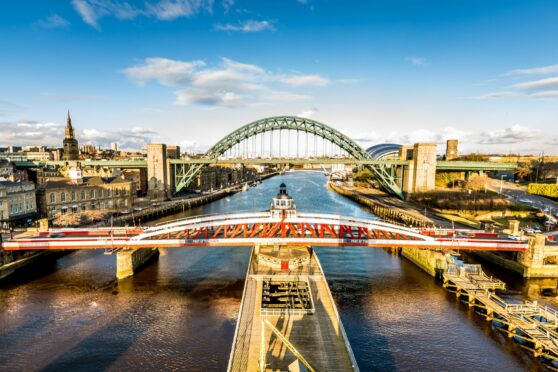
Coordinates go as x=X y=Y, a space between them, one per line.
x=130 y=260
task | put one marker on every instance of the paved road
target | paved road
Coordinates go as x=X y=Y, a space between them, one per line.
x=519 y=195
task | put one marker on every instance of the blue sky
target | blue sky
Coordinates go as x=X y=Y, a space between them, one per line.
x=189 y=71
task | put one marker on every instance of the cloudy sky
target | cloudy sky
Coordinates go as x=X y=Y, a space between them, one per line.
x=189 y=71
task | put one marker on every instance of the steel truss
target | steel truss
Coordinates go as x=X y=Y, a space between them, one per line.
x=385 y=174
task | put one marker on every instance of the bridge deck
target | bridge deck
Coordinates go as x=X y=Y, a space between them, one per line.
x=534 y=325
x=318 y=337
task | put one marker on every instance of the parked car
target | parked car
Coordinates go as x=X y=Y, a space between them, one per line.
x=528 y=230
x=516 y=237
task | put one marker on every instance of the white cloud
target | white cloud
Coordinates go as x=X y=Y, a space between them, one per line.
x=308 y=113
x=533 y=71
x=539 y=85
x=27 y=132
x=542 y=88
x=163 y=70
x=305 y=80
x=91 y=11
x=227 y=5
x=53 y=21
x=420 y=135
x=417 y=61
x=511 y=135
x=228 y=84
x=501 y=94
x=246 y=26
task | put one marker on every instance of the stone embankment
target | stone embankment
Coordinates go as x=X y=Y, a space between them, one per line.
x=384 y=211
x=180 y=204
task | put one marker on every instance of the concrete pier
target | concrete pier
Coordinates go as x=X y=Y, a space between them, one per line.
x=130 y=260
x=273 y=335
x=433 y=262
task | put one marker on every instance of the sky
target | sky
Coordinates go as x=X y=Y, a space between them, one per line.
x=187 y=72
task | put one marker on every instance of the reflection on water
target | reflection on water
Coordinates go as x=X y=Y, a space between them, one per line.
x=180 y=312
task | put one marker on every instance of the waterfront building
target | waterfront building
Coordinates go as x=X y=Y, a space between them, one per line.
x=76 y=193
x=71 y=149
x=17 y=201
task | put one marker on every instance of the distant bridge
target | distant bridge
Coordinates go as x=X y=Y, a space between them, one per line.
x=246 y=229
x=262 y=142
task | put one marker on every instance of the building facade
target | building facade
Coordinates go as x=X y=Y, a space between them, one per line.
x=17 y=201
x=74 y=195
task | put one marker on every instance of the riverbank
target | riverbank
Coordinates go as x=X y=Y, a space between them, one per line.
x=10 y=262
x=180 y=204
x=384 y=206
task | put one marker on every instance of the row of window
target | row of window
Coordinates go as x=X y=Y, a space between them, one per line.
x=22 y=207
x=93 y=206
x=83 y=194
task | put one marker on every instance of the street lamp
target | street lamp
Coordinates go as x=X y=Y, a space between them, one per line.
x=502 y=182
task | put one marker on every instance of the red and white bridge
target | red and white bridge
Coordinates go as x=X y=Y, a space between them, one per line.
x=246 y=229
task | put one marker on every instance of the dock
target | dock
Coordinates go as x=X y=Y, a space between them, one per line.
x=535 y=327
x=288 y=319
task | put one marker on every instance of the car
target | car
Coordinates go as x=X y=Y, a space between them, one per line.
x=528 y=230
x=516 y=237
x=546 y=210
x=537 y=230
x=526 y=201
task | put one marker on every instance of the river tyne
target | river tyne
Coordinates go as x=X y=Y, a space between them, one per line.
x=179 y=313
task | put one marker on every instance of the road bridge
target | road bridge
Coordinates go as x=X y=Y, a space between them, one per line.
x=290 y=140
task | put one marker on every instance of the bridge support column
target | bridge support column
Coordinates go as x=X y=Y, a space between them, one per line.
x=130 y=260
x=533 y=258
x=157 y=172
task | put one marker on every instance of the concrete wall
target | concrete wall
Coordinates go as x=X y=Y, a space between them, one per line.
x=157 y=172
x=434 y=263
x=129 y=261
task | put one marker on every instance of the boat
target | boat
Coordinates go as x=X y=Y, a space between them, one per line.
x=245 y=187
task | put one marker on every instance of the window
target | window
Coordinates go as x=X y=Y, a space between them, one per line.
x=82 y=194
x=102 y=205
x=92 y=194
x=52 y=198
x=92 y=206
x=74 y=209
x=117 y=192
x=62 y=196
x=63 y=210
x=83 y=207
x=73 y=196
x=109 y=193
x=100 y=193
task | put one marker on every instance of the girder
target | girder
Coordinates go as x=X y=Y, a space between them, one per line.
x=385 y=174
x=260 y=228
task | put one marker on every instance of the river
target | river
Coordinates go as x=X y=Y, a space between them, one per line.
x=179 y=313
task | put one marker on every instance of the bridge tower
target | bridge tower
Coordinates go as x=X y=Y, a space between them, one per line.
x=420 y=174
x=157 y=172
x=283 y=205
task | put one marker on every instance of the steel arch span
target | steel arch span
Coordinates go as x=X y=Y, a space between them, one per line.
x=384 y=174
x=245 y=229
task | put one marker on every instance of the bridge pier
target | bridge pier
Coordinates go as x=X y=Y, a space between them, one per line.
x=130 y=260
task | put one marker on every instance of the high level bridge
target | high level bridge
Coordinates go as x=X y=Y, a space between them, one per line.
x=290 y=140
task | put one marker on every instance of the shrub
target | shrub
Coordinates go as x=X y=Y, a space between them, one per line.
x=549 y=190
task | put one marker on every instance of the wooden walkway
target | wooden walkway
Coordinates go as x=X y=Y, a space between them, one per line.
x=534 y=326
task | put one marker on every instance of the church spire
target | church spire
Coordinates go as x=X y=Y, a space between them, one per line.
x=69 y=128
